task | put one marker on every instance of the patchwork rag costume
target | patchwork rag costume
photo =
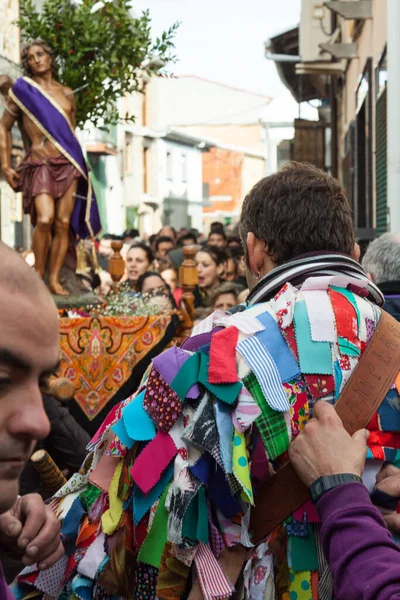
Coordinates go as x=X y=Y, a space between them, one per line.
x=54 y=175
x=175 y=469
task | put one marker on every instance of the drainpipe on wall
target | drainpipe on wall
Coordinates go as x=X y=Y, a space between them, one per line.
x=393 y=114
x=334 y=114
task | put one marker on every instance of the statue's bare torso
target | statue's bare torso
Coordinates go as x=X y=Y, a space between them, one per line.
x=62 y=96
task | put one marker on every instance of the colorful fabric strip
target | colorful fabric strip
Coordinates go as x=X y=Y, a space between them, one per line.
x=315 y=357
x=222 y=367
x=271 y=424
x=143 y=502
x=169 y=363
x=153 y=546
x=263 y=366
x=187 y=376
x=246 y=411
x=227 y=392
x=153 y=460
x=138 y=424
x=213 y=581
x=320 y=313
x=274 y=342
x=241 y=465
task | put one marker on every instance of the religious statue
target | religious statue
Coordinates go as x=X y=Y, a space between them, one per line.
x=53 y=177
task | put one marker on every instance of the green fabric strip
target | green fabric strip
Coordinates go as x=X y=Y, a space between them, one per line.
x=187 y=376
x=89 y=496
x=303 y=552
x=195 y=522
x=189 y=527
x=153 y=546
x=271 y=424
x=202 y=522
x=346 y=347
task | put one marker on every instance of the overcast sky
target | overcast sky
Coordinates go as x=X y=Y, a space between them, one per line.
x=223 y=40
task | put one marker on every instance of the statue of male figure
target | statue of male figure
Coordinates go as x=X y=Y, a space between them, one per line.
x=51 y=170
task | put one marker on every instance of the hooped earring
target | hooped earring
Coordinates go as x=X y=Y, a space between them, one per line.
x=256 y=276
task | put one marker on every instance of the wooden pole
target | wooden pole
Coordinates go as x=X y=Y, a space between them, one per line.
x=49 y=473
x=116 y=264
x=61 y=388
x=188 y=278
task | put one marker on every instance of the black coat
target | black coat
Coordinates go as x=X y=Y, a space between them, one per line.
x=66 y=444
x=391 y=291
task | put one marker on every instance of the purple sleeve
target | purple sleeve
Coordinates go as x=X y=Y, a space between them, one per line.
x=364 y=559
x=5 y=592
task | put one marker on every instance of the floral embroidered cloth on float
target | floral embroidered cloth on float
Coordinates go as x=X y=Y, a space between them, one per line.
x=175 y=468
x=99 y=354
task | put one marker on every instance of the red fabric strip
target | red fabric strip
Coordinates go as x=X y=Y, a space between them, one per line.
x=379 y=439
x=345 y=315
x=222 y=367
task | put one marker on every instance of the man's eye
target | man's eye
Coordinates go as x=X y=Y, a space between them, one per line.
x=4 y=381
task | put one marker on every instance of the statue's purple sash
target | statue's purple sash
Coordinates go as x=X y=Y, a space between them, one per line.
x=54 y=124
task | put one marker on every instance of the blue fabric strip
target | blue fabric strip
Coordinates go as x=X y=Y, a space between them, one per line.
x=264 y=368
x=143 y=502
x=315 y=357
x=274 y=341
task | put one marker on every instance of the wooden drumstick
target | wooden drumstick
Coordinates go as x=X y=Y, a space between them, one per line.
x=61 y=388
x=50 y=474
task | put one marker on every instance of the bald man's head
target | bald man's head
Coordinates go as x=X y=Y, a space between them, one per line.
x=29 y=352
x=18 y=276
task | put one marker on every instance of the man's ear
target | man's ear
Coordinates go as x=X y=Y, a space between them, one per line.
x=256 y=253
x=356 y=252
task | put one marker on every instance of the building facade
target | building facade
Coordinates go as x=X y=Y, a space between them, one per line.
x=342 y=61
x=15 y=229
x=163 y=168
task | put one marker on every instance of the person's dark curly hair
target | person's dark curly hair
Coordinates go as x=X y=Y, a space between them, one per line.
x=25 y=52
x=298 y=209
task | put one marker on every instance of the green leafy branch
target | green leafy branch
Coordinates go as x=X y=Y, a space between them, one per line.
x=102 y=51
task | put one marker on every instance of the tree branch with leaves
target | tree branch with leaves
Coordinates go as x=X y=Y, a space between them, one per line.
x=102 y=51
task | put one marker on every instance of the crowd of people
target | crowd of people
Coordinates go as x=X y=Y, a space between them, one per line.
x=152 y=266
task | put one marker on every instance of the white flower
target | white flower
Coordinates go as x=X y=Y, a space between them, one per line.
x=97 y=6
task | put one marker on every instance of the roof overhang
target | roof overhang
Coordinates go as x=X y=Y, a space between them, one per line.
x=311 y=85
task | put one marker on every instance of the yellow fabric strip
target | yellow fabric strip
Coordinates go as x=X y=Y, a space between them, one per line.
x=241 y=466
x=112 y=517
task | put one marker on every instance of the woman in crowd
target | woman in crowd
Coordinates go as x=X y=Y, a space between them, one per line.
x=230 y=273
x=155 y=290
x=225 y=296
x=138 y=261
x=211 y=264
x=170 y=275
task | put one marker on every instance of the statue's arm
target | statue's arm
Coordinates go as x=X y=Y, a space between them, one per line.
x=10 y=115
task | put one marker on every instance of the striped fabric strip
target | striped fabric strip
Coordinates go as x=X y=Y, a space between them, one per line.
x=214 y=583
x=207 y=324
x=263 y=366
x=325 y=581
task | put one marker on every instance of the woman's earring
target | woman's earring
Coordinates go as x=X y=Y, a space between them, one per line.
x=256 y=276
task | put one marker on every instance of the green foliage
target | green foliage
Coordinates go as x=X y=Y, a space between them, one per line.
x=103 y=51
